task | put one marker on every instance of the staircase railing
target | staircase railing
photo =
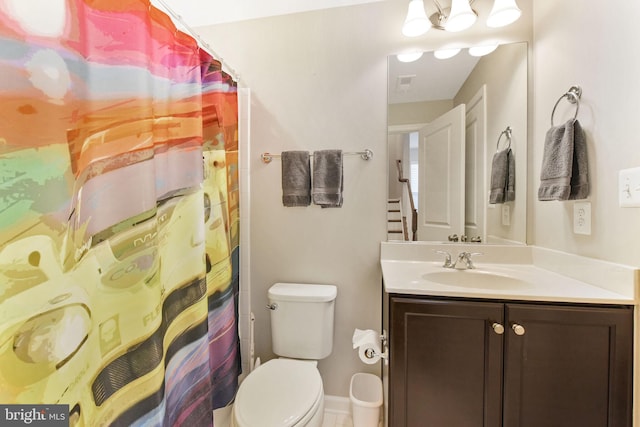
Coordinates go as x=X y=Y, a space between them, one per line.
x=414 y=212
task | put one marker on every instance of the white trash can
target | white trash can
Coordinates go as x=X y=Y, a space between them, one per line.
x=365 y=393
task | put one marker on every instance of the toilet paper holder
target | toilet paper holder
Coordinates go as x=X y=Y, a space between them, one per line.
x=366 y=337
x=371 y=353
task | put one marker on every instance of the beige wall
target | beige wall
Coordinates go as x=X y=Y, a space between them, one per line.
x=417 y=112
x=318 y=81
x=572 y=47
x=312 y=90
x=504 y=73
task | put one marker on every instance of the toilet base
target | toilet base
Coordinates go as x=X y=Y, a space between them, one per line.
x=315 y=420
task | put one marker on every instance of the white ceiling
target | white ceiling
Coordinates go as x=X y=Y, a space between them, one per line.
x=197 y=13
x=435 y=79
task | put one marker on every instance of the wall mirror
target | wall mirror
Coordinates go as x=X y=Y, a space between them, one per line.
x=447 y=118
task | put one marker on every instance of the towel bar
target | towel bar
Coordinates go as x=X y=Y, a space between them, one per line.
x=366 y=155
x=573 y=96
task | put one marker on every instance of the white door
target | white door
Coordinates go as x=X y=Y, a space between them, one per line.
x=441 y=176
x=475 y=177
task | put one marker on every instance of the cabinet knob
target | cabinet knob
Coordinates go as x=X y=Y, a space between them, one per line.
x=498 y=328
x=518 y=329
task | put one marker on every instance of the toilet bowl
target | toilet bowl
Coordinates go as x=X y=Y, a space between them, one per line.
x=280 y=393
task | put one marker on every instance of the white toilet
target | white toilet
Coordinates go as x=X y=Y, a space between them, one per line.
x=288 y=392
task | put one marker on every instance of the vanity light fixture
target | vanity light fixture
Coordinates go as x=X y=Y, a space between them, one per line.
x=458 y=17
x=446 y=53
x=409 y=56
x=504 y=12
x=416 y=23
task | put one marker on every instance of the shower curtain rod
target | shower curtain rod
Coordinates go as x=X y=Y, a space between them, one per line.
x=201 y=42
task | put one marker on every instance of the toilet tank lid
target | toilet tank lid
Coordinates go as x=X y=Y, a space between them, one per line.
x=303 y=292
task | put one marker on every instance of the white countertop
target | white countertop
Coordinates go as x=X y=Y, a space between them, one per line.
x=418 y=270
x=411 y=277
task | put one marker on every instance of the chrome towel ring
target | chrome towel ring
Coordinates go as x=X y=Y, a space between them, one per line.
x=573 y=96
x=507 y=133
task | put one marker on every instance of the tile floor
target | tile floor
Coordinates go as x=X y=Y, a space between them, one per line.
x=336 y=419
x=331 y=419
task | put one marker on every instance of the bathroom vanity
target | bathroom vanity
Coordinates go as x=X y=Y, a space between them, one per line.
x=504 y=344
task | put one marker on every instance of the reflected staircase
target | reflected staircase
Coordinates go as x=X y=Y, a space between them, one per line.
x=396 y=222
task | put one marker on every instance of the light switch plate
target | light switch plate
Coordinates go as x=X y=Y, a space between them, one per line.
x=582 y=218
x=629 y=188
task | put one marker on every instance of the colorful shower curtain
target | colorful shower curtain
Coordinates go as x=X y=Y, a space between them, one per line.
x=119 y=215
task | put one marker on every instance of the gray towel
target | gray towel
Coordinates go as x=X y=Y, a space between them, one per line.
x=564 y=163
x=296 y=178
x=327 y=178
x=503 y=177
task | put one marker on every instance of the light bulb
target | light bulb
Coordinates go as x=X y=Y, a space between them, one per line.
x=482 y=50
x=409 y=56
x=416 y=23
x=461 y=16
x=446 y=53
x=504 y=12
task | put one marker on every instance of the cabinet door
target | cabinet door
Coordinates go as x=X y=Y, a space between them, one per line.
x=571 y=367
x=446 y=363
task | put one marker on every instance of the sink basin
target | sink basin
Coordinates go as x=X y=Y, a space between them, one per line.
x=475 y=278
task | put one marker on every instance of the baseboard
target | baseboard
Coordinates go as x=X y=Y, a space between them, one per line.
x=337 y=404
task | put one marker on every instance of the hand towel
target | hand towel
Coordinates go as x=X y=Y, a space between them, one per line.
x=327 y=178
x=503 y=177
x=510 y=192
x=579 y=175
x=564 y=163
x=296 y=178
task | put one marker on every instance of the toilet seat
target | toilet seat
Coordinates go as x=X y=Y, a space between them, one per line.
x=280 y=393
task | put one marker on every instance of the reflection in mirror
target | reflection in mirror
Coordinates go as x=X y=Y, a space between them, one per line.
x=446 y=118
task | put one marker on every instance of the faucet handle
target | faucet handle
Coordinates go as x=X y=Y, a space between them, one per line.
x=453 y=237
x=447 y=259
x=467 y=258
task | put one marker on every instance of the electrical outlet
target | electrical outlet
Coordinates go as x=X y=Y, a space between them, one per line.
x=506 y=215
x=629 y=188
x=582 y=218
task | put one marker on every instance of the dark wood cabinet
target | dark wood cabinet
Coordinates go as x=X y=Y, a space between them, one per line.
x=468 y=363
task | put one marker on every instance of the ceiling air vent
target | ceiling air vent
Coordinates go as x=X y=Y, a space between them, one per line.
x=403 y=82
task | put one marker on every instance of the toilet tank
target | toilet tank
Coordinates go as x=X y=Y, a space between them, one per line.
x=302 y=319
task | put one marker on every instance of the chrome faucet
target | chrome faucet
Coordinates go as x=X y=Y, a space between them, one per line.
x=466 y=258
x=447 y=259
